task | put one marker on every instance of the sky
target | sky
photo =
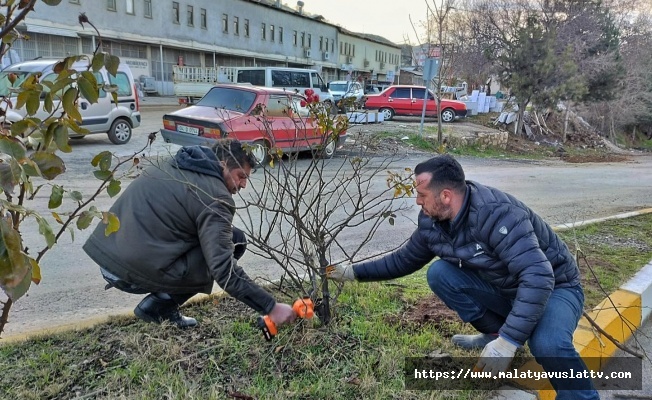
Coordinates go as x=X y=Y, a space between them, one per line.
x=387 y=18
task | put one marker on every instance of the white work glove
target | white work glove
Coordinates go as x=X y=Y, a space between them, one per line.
x=496 y=356
x=341 y=272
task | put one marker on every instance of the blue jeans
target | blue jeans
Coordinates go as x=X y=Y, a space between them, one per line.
x=551 y=342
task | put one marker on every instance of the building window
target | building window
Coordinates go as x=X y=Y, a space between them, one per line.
x=225 y=23
x=129 y=6
x=332 y=45
x=246 y=28
x=321 y=43
x=271 y=33
x=353 y=52
x=263 y=31
x=236 y=26
x=148 y=9
x=202 y=17
x=175 y=12
x=309 y=41
x=294 y=38
x=280 y=34
x=191 y=16
x=303 y=39
x=110 y=5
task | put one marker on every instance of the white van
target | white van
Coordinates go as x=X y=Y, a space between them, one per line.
x=116 y=120
x=291 y=79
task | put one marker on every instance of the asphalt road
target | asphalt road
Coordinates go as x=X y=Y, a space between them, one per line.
x=72 y=289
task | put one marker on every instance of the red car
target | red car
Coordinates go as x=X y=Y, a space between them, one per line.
x=408 y=100
x=264 y=117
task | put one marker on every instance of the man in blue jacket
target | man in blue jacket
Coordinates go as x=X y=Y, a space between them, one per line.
x=500 y=267
x=176 y=236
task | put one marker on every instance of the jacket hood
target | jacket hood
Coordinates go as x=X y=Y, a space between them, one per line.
x=198 y=159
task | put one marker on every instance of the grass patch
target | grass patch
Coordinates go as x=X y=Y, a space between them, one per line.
x=359 y=355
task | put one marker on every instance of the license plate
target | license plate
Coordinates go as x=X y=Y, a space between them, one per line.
x=188 y=129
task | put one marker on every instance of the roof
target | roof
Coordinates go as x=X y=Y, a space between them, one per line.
x=278 y=5
x=255 y=89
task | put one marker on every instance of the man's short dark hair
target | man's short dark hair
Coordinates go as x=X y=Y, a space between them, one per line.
x=231 y=151
x=446 y=173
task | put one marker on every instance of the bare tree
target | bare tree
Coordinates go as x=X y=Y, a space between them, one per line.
x=300 y=215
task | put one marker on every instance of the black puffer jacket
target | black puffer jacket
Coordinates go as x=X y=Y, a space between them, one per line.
x=503 y=240
x=175 y=232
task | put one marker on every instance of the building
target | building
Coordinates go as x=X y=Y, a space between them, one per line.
x=152 y=37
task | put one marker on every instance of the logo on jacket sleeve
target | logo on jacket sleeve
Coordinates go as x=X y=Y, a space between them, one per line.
x=503 y=230
x=478 y=249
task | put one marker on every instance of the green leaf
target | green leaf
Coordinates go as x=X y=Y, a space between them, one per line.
x=33 y=102
x=112 y=223
x=61 y=138
x=69 y=106
x=102 y=159
x=113 y=188
x=84 y=220
x=9 y=175
x=19 y=127
x=57 y=218
x=48 y=104
x=56 y=197
x=21 y=99
x=14 y=268
x=45 y=229
x=77 y=196
x=13 y=147
x=111 y=63
x=102 y=175
x=30 y=168
x=9 y=37
x=98 y=62
x=88 y=87
x=49 y=164
x=36 y=270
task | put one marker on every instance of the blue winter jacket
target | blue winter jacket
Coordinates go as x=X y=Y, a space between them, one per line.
x=502 y=239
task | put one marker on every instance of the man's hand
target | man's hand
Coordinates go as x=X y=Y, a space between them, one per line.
x=496 y=356
x=342 y=272
x=282 y=314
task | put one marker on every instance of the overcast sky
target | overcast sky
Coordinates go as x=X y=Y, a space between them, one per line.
x=387 y=18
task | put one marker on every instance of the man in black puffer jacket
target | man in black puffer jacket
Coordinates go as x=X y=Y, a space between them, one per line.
x=176 y=239
x=500 y=267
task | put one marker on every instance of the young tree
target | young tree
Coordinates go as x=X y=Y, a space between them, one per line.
x=300 y=214
x=29 y=162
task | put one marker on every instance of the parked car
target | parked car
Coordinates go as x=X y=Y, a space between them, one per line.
x=264 y=117
x=408 y=100
x=346 y=89
x=105 y=116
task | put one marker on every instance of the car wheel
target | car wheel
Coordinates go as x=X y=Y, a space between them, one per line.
x=388 y=113
x=448 y=115
x=260 y=151
x=328 y=150
x=120 y=132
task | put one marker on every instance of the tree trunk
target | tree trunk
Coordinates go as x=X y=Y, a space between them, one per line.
x=566 y=118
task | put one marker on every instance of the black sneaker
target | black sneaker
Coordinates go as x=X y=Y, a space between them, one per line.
x=156 y=310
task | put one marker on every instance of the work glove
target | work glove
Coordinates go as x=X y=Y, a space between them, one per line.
x=496 y=356
x=341 y=272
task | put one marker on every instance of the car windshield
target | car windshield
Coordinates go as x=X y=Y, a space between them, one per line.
x=338 y=87
x=228 y=99
x=5 y=84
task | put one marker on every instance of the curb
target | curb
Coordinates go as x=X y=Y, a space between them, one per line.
x=632 y=302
